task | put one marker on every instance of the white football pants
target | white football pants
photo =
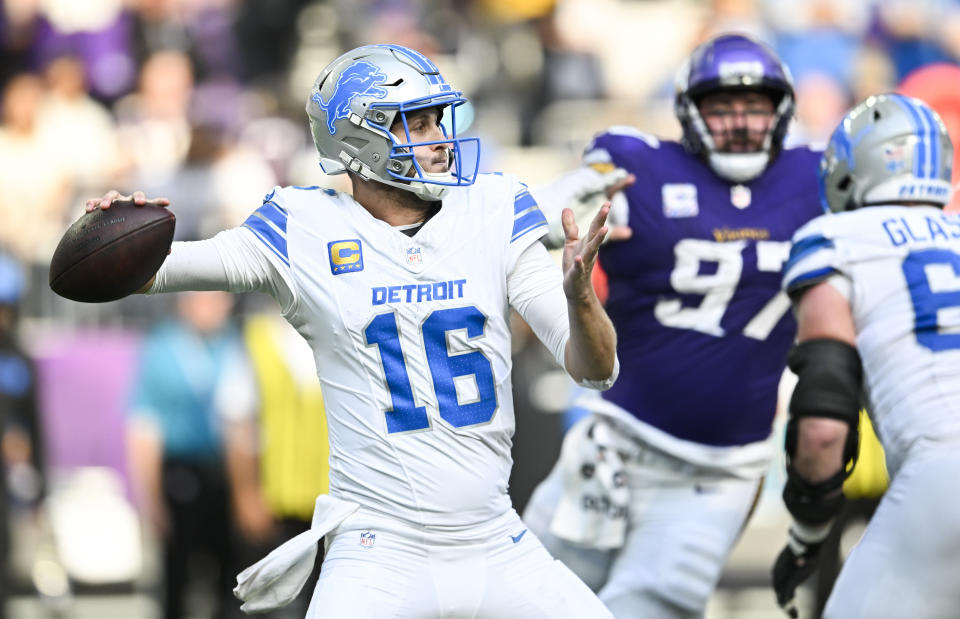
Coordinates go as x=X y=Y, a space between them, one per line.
x=908 y=562
x=379 y=568
x=683 y=522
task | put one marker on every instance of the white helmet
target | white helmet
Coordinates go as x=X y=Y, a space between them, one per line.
x=887 y=150
x=358 y=97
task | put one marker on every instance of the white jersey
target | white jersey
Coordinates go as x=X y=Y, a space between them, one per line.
x=411 y=337
x=900 y=268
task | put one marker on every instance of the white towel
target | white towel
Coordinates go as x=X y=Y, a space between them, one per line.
x=275 y=580
x=594 y=507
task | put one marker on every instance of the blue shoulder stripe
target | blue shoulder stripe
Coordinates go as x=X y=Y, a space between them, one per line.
x=274 y=213
x=809 y=278
x=525 y=223
x=806 y=246
x=271 y=236
x=523 y=202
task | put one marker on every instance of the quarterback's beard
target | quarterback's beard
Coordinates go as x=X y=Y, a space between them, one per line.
x=409 y=200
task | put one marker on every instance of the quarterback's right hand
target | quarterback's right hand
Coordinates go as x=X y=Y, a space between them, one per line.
x=139 y=199
x=113 y=195
x=584 y=191
x=797 y=561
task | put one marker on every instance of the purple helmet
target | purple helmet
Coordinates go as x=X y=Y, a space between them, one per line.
x=733 y=62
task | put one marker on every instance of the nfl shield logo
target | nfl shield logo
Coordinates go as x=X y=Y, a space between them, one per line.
x=367 y=538
x=414 y=256
x=895 y=157
x=740 y=196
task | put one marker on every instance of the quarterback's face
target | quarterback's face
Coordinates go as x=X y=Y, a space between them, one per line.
x=738 y=121
x=424 y=126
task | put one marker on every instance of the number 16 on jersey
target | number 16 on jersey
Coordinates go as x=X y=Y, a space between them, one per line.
x=445 y=369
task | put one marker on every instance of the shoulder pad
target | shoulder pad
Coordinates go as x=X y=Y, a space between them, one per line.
x=813 y=257
x=326 y=190
x=798 y=142
x=632 y=132
x=618 y=142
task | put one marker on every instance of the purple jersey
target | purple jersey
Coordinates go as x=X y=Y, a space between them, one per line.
x=703 y=329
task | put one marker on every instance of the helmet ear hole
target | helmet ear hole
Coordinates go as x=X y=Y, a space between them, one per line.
x=876 y=115
x=355 y=142
x=844 y=183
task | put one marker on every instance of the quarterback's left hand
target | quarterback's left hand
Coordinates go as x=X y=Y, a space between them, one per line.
x=580 y=253
x=797 y=561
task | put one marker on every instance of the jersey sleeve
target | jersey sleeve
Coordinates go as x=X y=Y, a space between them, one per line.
x=619 y=146
x=814 y=257
x=535 y=290
x=528 y=222
x=250 y=258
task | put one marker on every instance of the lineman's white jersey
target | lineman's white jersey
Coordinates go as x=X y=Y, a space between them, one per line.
x=900 y=269
x=411 y=337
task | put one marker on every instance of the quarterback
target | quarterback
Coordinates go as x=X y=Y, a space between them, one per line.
x=404 y=290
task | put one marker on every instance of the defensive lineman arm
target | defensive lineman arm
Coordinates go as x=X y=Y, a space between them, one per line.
x=822 y=430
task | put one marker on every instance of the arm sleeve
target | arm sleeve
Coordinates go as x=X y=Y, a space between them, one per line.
x=842 y=284
x=535 y=290
x=234 y=260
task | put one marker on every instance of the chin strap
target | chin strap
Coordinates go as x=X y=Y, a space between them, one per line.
x=432 y=191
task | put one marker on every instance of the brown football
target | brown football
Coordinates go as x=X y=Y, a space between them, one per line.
x=107 y=254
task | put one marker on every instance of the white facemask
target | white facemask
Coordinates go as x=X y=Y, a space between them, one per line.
x=739 y=167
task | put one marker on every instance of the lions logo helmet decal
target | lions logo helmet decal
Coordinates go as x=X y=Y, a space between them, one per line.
x=360 y=78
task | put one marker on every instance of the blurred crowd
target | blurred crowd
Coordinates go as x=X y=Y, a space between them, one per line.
x=201 y=101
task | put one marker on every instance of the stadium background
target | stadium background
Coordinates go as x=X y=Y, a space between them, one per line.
x=202 y=101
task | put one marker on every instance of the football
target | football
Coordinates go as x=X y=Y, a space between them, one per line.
x=108 y=254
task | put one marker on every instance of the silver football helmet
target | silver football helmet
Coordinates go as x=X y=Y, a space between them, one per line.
x=359 y=96
x=889 y=149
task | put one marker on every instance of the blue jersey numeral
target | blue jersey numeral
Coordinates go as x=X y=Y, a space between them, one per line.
x=445 y=368
x=933 y=277
x=404 y=416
